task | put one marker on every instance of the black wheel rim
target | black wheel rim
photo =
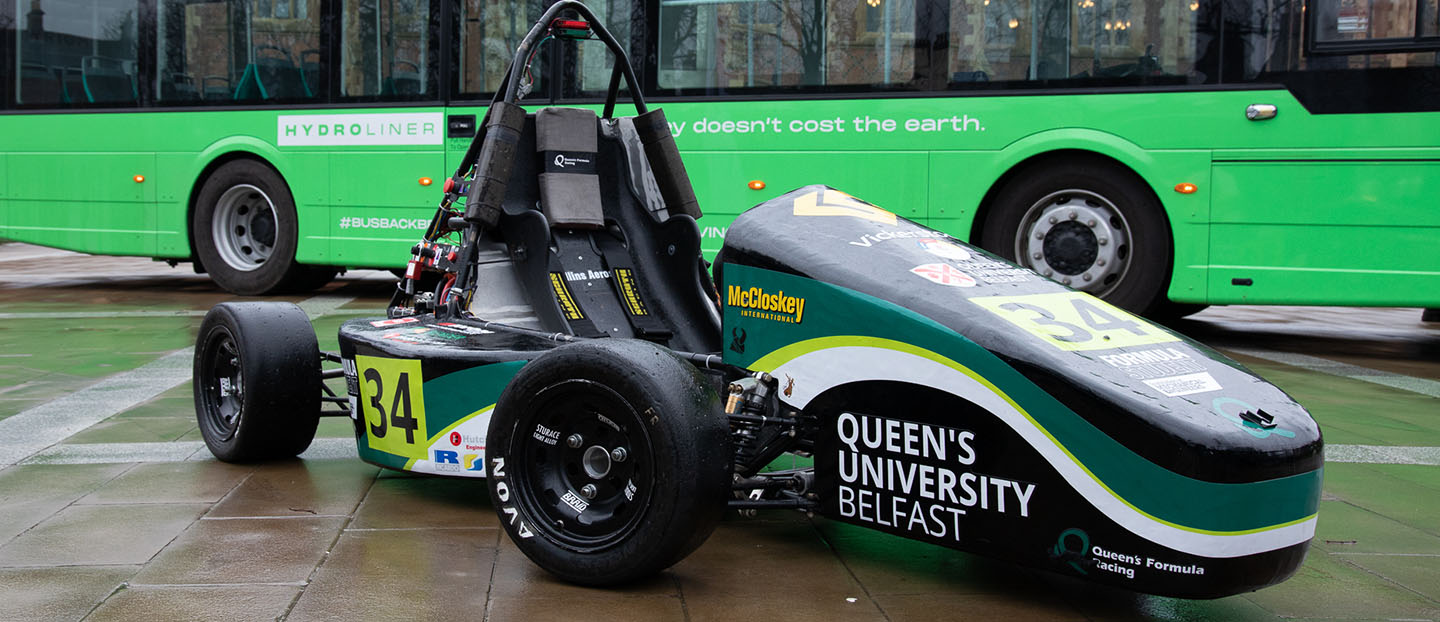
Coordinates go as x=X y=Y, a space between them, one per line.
x=568 y=442
x=221 y=385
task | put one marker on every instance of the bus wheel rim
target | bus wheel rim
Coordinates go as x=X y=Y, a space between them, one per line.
x=1076 y=237
x=244 y=227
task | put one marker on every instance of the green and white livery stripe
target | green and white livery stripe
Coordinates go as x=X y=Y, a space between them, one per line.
x=827 y=362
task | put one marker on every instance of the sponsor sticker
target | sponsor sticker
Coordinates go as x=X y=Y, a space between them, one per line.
x=1175 y=386
x=944 y=274
x=943 y=249
x=630 y=292
x=575 y=502
x=394 y=321
x=446 y=461
x=757 y=303
x=568 y=306
x=586 y=275
x=869 y=240
x=461 y=328
x=1153 y=363
x=546 y=435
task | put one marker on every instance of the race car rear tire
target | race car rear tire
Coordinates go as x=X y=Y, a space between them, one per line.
x=608 y=460
x=256 y=381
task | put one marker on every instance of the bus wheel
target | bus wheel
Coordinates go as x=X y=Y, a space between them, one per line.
x=245 y=231
x=608 y=460
x=1087 y=225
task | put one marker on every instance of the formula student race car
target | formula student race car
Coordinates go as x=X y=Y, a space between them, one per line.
x=558 y=332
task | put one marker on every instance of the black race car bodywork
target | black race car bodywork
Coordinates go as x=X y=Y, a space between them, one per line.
x=558 y=333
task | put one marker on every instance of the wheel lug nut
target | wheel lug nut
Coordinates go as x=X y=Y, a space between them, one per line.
x=619 y=454
x=1073 y=215
x=575 y=441
x=1039 y=236
x=1090 y=223
x=1036 y=256
x=1065 y=280
x=588 y=491
x=1049 y=272
x=1104 y=241
x=1099 y=262
x=1086 y=276
x=1054 y=220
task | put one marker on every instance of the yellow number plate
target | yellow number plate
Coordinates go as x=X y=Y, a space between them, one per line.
x=392 y=405
x=1074 y=321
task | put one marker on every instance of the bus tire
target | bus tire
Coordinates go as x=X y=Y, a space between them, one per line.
x=245 y=232
x=256 y=381
x=568 y=500
x=1087 y=224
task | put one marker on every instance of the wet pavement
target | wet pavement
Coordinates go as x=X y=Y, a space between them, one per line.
x=111 y=508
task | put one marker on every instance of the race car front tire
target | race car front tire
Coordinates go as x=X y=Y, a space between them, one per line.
x=608 y=460
x=256 y=381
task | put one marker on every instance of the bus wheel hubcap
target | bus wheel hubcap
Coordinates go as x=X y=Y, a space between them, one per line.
x=244 y=227
x=1076 y=237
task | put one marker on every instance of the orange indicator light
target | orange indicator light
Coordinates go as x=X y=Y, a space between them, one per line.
x=139 y=179
x=1185 y=188
x=425 y=181
x=756 y=184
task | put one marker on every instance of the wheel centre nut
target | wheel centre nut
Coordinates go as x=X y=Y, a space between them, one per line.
x=596 y=462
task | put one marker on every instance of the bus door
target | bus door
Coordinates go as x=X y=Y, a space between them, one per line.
x=1325 y=192
x=488 y=33
x=388 y=164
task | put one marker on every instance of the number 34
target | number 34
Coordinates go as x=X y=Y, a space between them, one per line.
x=1074 y=321
x=391 y=402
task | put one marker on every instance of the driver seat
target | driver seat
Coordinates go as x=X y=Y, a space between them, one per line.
x=587 y=246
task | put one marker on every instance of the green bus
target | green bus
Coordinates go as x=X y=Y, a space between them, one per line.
x=1164 y=154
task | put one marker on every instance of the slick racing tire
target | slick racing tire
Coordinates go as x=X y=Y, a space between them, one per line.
x=245 y=232
x=257 y=381
x=608 y=460
x=1087 y=224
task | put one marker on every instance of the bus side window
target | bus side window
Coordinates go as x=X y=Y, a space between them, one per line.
x=218 y=52
x=489 y=32
x=1338 y=56
x=842 y=45
x=79 y=53
x=388 y=50
x=1030 y=43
